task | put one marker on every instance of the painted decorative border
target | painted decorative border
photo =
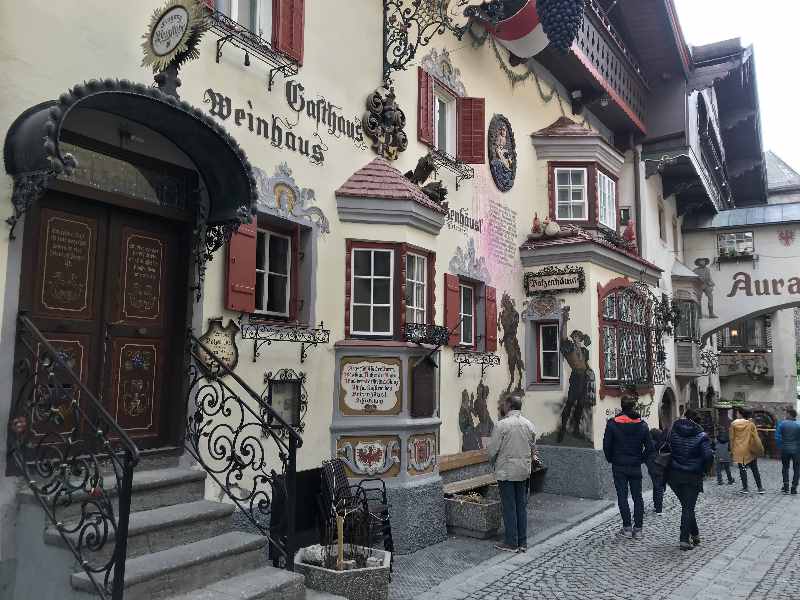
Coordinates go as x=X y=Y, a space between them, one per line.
x=357 y=452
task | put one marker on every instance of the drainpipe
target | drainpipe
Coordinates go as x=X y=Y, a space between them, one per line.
x=637 y=193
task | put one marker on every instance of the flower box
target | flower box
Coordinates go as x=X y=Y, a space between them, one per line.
x=367 y=583
x=473 y=515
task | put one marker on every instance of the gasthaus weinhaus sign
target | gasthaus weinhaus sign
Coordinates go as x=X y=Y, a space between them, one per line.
x=555 y=279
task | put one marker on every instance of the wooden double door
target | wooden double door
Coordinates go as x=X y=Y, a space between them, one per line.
x=108 y=288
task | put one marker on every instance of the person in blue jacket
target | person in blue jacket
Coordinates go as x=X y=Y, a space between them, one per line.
x=627 y=444
x=787 y=438
x=691 y=455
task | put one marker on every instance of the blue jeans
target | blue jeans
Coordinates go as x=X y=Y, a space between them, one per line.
x=727 y=467
x=514 y=498
x=658 y=491
x=625 y=478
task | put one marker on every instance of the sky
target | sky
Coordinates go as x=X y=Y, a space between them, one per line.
x=771 y=26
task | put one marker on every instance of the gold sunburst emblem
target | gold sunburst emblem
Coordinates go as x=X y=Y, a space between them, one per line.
x=174 y=34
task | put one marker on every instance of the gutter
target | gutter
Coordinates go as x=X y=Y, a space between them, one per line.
x=637 y=192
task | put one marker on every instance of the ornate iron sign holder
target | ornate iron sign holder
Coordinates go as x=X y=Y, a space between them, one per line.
x=265 y=333
x=460 y=169
x=484 y=359
x=290 y=377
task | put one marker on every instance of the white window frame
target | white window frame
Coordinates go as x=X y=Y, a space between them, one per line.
x=371 y=277
x=542 y=377
x=462 y=314
x=607 y=200
x=440 y=93
x=266 y=273
x=584 y=188
x=258 y=10
x=414 y=284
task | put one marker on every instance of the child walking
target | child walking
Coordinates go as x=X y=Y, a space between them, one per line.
x=723 y=457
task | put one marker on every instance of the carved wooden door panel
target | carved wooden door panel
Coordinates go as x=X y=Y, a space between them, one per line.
x=143 y=339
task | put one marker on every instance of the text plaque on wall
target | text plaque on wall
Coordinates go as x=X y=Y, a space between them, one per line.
x=370 y=386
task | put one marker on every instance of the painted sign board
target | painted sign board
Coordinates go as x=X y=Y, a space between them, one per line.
x=553 y=279
x=370 y=386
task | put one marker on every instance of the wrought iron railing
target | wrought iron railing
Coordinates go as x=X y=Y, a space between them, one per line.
x=238 y=439
x=74 y=456
x=422 y=333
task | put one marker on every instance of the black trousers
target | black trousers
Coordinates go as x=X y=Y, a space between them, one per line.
x=756 y=475
x=727 y=467
x=687 y=495
x=624 y=479
x=794 y=459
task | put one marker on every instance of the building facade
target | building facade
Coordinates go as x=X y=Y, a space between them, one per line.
x=376 y=235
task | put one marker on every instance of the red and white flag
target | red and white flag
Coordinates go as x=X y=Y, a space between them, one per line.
x=522 y=34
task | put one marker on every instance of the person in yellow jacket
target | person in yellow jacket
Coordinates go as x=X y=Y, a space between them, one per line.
x=746 y=447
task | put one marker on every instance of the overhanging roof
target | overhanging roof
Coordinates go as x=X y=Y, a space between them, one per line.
x=32 y=143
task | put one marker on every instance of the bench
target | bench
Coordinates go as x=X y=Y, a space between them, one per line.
x=468 y=485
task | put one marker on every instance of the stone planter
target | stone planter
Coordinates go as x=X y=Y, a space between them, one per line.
x=469 y=518
x=370 y=583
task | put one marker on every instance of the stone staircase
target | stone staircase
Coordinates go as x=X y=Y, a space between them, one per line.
x=180 y=547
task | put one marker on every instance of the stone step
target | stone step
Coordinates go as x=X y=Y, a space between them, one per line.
x=151 y=489
x=317 y=595
x=188 y=567
x=161 y=528
x=265 y=583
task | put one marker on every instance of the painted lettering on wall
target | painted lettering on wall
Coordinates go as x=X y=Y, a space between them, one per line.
x=461 y=220
x=322 y=112
x=371 y=385
x=500 y=235
x=743 y=283
x=273 y=129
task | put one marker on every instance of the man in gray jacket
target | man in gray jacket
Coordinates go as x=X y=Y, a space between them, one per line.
x=510 y=454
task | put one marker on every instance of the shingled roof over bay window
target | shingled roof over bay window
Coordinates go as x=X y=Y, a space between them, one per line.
x=380 y=194
x=566 y=140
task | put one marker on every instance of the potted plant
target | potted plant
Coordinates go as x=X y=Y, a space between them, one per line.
x=355 y=572
x=473 y=514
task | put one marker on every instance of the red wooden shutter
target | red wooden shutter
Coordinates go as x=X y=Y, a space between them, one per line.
x=240 y=293
x=471 y=130
x=452 y=304
x=425 y=108
x=288 y=24
x=491 y=319
x=294 y=288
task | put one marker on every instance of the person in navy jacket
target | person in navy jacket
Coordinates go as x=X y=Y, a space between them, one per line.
x=787 y=438
x=627 y=444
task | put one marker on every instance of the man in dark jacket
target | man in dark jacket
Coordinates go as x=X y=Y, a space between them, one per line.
x=787 y=438
x=627 y=444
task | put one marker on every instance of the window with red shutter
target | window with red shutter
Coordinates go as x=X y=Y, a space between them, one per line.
x=452 y=305
x=288 y=24
x=240 y=293
x=491 y=319
x=425 y=107
x=471 y=130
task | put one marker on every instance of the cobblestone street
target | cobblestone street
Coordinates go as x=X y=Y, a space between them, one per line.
x=749 y=550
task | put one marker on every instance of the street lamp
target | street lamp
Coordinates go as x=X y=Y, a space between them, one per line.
x=284 y=396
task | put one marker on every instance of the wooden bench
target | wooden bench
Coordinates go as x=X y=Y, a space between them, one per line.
x=468 y=485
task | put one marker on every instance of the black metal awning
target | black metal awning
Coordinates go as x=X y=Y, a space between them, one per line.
x=32 y=154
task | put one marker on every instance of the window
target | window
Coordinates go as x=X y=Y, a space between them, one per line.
x=467 y=315
x=625 y=338
x=255 y=15
x=676 y=246
x=687 y=327
x=549 y=357
x=273 y=273
x=372 y=291
x=571 y=197
x=624 y=216
x=662 y=225
x=607 y=193
x=444 y=117
x=416 y=288
x=747 y=335
x=739 y=243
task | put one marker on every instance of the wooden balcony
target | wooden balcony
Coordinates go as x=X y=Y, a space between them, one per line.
x=599 y=64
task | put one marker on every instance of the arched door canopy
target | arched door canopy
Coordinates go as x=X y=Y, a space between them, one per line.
x=33 y=157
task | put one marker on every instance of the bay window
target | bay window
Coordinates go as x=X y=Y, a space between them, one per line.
x=416 y=288
x=571 y=197
x=607 y=194
x=371 y=308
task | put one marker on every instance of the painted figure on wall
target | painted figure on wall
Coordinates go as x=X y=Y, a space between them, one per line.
x=704 y=273
x=502 y=153
x=474 y=419
x=508 y=324
x=582 y=389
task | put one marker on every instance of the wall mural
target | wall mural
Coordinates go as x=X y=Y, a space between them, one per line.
x=703 y=271
x=438 y=65
x=498 y=240
x=474 y=421
x=467 y=263
x=508 y=324
x=367 y=457
x=280 y=194
x=502 y=153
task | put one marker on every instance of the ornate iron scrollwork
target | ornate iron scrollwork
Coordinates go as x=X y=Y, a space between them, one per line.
x=28 y=188
x=709 y=361
x=384 y=123
x=265 y=333
x=460 y=169
x=422 y=333
x=484 y=359
x=73 y=455
x=238 y=439
x=284 y=375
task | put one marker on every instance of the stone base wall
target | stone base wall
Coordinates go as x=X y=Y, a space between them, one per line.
x=417 y=515
x=581 y=472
